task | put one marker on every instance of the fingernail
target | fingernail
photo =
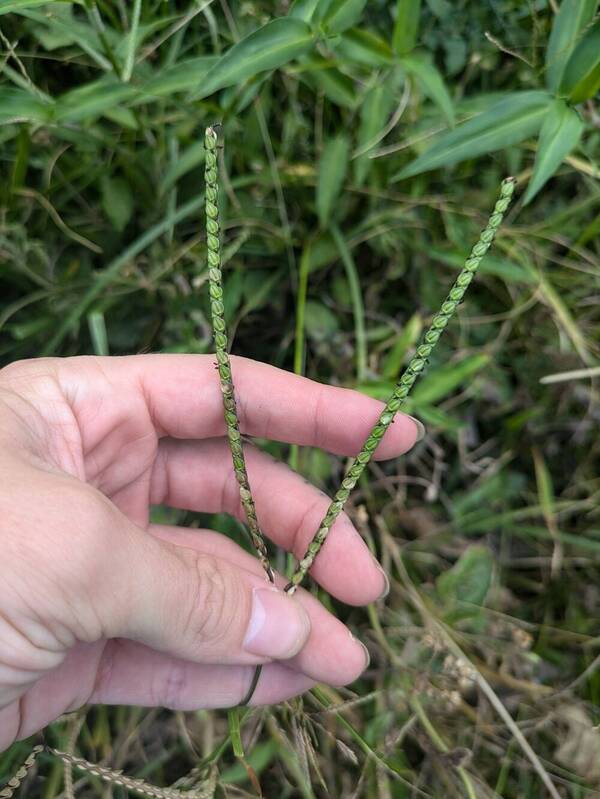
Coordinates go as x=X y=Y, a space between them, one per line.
x=420 y=428
x=386 y=588
x=386 y=580
x=367 y=654
x=279 y=625
x=365 y=650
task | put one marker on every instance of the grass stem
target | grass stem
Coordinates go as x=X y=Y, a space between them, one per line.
x=406 y=382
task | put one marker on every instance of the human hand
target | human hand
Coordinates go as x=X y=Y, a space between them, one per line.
x=99 y=605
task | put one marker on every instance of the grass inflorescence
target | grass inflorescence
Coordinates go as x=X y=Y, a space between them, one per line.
x=215 y=289
x=415 y=367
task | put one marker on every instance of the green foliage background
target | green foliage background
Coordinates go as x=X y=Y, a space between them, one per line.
x=364 y=146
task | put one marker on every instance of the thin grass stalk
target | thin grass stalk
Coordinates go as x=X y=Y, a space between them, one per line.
x=15 y=781
x=406 y=382
x=205 y=790
x=220 y=337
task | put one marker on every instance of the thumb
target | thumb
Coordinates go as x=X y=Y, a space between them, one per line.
x=196 y=606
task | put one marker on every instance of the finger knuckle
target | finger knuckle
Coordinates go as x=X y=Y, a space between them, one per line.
x=209 y=614
x=307 y=523
x=166 y=689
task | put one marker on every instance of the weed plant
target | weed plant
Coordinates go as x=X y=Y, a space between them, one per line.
x=366 y=142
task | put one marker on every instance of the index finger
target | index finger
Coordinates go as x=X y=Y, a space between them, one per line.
x=184 y=396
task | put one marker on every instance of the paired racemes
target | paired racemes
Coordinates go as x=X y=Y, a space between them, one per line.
x=402 y=390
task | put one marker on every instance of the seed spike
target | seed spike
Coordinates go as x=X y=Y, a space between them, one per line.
x=406 y=381
x=223 y=364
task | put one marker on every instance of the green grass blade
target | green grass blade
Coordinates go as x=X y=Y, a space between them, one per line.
x=269 y=47
x=357 y=302
x=180 y=77
x=364 y=47
x=332 y=171
x=19 y=105
x=406 y=338
x=581 y=79
x=374 y=112
x=93 y=99
x=10 y=6
x=560 y=133
x=233 y=717
x=447 y=378
x=341 y=15
x=303 y=9
x=97 y=327
x=508 y=122
x=572 y=18
x=131 y=41
x=406 y=27
x=431 y=82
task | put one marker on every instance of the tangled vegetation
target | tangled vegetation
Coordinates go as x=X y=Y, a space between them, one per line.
x=365 y=145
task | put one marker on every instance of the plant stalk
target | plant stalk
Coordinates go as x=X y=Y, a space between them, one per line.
x=220 y=337
x=406 y=382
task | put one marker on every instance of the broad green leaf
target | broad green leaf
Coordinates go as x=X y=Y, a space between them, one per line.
x=469 y=579
x=406 y=26
x=123 y=117
x=342 y=14
x=62 y=28
x=430 y=81
x=373 y=115
x=560 y=133
x=117 y=201
x=510 y=121
x=332 y=171
x=18 y=105
x=364 y=47
x=10 y=6
x=581 y=79
x=446 y=379
x=93 y=99
x=303 y=9
x=269 y=47
x=185 y=76
x=572 y=18
x=339 y=88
